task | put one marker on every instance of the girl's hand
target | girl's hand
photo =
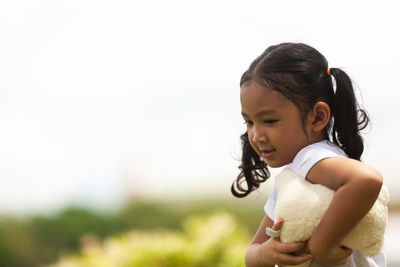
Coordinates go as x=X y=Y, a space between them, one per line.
x=273 y=251
x=333 y=256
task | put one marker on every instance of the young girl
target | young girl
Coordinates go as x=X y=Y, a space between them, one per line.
x=295 y=118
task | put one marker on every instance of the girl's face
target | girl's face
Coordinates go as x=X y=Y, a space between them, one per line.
x=274 y=124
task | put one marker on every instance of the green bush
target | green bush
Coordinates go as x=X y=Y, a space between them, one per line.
x=37 y=240
x=215 y=241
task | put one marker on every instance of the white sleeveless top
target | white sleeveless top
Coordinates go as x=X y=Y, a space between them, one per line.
x=302 y=163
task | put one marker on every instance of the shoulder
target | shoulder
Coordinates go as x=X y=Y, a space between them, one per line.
x=326 y=164
x=310 y=155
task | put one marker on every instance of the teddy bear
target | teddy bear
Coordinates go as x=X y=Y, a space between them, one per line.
x=302 y=204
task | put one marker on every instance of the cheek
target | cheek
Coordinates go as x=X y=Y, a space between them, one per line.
x=295 y=139
x=252 y=144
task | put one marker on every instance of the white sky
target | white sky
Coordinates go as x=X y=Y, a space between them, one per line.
x=102 y=99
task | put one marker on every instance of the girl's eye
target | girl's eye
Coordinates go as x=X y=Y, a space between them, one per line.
x=270 y=121
x=248 y=122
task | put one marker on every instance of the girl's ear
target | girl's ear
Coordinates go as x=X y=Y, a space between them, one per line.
x=321 y=115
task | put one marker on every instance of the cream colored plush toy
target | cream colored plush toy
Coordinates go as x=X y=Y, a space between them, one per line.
x=302 y=204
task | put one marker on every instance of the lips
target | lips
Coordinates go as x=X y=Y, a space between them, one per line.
x=266 y=154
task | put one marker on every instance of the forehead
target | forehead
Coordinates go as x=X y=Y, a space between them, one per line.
x=254 y=98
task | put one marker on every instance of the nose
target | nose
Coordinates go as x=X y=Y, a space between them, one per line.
x=259 y=136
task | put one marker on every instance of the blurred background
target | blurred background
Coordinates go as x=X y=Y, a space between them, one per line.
x=120 y=116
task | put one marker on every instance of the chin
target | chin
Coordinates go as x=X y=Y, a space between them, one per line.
x=274 y=164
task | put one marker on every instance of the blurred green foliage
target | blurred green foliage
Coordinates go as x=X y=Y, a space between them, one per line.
x=39 y=240
x=203 y=242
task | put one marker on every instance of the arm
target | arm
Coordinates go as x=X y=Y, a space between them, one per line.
x=357 y=187
x=265 y=251
x=252 y=259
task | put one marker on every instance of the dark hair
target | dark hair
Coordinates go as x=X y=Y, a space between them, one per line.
x=299 y=72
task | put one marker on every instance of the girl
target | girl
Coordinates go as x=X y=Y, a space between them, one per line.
x=296 y=119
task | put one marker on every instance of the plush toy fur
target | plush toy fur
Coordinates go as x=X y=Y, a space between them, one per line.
x=302 y=204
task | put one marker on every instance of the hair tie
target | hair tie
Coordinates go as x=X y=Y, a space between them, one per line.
x=328 y=71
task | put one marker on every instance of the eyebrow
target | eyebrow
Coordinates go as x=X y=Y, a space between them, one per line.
x=262 y=112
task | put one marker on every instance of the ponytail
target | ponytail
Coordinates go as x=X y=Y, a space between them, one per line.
x=348 y=118
x=254 y=171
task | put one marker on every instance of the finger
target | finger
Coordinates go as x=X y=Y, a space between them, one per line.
x=291 y=247
x=287 y=259
x=344 y=261
x=348 y=252
x=274 y=231
x=278 y=225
